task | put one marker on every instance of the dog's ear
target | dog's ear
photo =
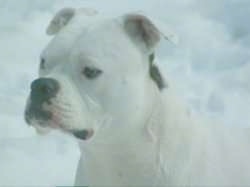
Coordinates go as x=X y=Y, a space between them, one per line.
x=147 y=32
x=60 y=20
x=63 y=17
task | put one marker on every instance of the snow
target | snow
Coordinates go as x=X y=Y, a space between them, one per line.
x=210 y=66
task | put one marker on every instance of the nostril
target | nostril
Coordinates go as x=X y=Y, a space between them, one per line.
x=44 y=87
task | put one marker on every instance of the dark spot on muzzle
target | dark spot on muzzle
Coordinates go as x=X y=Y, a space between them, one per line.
x=36 y=112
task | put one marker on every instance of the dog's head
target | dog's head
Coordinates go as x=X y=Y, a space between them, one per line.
x=95 y=71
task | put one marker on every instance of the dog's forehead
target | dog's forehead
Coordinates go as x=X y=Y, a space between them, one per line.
x=63 y=41
x=104 y=40
x=108 y=42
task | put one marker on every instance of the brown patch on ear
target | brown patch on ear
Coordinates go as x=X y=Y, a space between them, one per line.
x=60 y=20
x=140 y=28
x=155 y=74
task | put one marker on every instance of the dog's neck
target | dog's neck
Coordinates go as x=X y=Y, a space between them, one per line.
x=120 y=132
x=119 y=156
x=125 y=152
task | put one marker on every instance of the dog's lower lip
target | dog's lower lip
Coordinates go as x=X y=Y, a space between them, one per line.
x=83 y=134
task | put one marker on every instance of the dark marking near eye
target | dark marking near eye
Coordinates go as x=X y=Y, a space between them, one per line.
x=91 y=72
x=42 y=63
x=155 y=74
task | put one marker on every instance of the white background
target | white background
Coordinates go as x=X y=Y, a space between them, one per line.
x=210 y=68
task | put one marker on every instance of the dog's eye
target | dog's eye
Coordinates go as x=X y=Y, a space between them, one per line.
x=42 y=63
x=91 y=72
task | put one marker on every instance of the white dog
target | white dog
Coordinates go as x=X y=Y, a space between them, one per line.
x=98 y=81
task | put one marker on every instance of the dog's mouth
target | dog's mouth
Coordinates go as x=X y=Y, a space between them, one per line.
x=84 y=134
x=55 y=114
x=54 y=121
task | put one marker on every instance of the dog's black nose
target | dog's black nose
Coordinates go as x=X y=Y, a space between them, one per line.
x=43 y=89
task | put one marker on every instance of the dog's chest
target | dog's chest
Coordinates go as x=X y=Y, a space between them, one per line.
x=119 y=165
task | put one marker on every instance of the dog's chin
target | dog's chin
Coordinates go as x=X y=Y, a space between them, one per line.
x=42 y=130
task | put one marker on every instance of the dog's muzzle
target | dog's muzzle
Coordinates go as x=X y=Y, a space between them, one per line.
x=42 y=91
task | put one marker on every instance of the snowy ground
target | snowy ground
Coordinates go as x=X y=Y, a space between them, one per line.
x=210 y=66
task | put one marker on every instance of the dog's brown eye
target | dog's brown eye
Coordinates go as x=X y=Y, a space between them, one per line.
x=91 y=72
x=42 y=63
